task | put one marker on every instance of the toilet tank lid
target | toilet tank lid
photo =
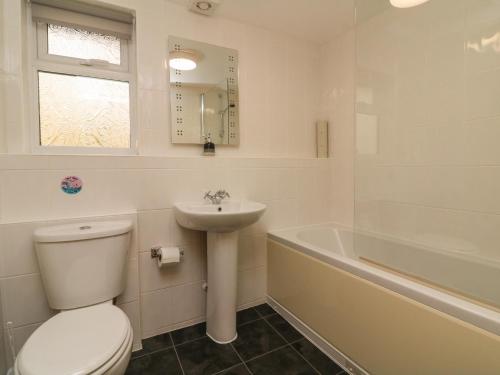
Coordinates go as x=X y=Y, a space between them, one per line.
x=82 y=231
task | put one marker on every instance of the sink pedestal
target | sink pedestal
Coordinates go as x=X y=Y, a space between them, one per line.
x=222 y=264
x=222 y=223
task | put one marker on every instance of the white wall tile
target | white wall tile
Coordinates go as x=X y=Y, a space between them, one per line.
x=435 y=176
x=21 y=335
x=131 y=292
x=189 y=302
x=24 y=300
x=132 y=309
x=19 y=197
x=252 y=284
x=154 y=229
x=252 y=251
x=187 y=271
x=156 y=311
x=17 y=255
x=183 y=236
x=481 y=141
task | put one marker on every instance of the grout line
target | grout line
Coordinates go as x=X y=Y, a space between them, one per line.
x=241 y=359
x=305 y=359
x=291 y=346
x=266 y=353
x=265 y=316
x=190 y=341
x=342 y=371
x=226 y=369
x=295 y=341
x=153 y=352
x=250 y=321
x=177 y=354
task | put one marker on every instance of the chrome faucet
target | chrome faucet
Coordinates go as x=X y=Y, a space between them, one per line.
x=217 y=197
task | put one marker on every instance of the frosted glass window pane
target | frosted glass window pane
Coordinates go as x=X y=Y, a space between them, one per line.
x=82 y=44
x=80 y=111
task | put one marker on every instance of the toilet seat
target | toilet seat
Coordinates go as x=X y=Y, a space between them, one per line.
x=87 y=340
x=121 y=357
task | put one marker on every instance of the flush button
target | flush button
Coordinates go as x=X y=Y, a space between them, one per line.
x=85 y=227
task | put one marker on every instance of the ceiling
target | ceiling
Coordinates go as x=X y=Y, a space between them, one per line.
x=317 y=21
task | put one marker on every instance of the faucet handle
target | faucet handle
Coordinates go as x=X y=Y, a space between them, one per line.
x=208 y=195
x=222 y=193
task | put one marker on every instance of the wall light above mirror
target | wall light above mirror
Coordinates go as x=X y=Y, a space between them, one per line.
x=184 y=59
x=407 y=3
x=203 y=92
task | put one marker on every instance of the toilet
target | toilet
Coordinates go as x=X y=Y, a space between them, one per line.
x=83 y=268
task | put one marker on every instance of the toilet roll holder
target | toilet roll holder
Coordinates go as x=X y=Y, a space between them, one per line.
x=156 y=252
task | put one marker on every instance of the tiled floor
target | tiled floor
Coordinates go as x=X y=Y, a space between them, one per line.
x=266 y=345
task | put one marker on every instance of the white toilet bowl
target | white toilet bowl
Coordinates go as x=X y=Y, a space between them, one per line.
x=90 y=340
x=83 y=268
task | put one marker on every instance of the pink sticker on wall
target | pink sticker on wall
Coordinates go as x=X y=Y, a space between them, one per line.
x=71 y=184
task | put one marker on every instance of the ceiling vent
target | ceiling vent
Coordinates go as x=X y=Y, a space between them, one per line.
x=205 y=7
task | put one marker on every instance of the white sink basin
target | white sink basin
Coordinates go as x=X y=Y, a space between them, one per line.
x=226 y=217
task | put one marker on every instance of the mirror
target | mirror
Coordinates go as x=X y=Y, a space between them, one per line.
x=203 y=92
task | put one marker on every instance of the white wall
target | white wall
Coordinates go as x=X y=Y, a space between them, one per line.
x=279 y=91
x=3 y=352
x=337 y=70
x=30 y=196
x=276 y=117
x=3 y=360
x=433 y=74
x=11 y=85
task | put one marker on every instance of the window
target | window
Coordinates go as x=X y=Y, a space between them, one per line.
x=82 y=44
x=83 y=79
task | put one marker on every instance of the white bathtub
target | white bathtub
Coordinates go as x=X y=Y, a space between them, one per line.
x=334 y=245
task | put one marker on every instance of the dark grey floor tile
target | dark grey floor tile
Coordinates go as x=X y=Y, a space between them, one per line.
x=159 y=363
x=247 y=315
x=183 y=335
x=138 y=353
x=237 y=370
x=154 y=344
x=256 y=338
x=284 y=328
x=265 y=310
x=316 y=358
x=284 y=361
x=206 y=357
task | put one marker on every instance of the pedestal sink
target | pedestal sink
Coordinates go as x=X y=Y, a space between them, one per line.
x=221 y=222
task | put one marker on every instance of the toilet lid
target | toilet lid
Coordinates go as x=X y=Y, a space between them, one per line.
x=75 y=342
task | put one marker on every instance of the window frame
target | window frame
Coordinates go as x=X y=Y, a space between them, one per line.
x=42 y=61
x=44 y=55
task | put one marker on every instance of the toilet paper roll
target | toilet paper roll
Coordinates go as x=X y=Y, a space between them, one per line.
x=169 y=255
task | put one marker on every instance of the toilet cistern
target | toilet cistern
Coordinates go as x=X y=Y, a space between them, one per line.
x=221 y=219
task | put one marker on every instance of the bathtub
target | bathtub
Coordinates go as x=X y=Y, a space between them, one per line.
x=317 y=279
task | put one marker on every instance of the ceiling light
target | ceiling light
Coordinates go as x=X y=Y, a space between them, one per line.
x=203 y=5
x=407 y=3
x=183 y=59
